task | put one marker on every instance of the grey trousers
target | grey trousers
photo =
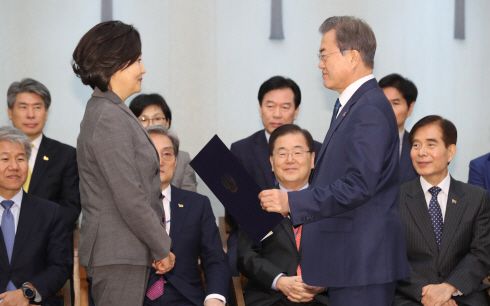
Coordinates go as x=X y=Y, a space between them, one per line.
x=121 y=285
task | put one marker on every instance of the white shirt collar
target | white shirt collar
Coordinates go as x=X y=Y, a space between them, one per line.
x=37 y=142
x=444 y=185
x=304 y=187
x=16 y=198
x=267 y=136
x=352 y=88
x=166 y=192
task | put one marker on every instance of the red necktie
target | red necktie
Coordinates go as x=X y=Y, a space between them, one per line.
x=297 y=236
x=156 y=290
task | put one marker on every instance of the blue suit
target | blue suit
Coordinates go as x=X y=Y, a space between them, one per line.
x=407 y=171
x=480 y=172
x=194 y=235
x=352 y=233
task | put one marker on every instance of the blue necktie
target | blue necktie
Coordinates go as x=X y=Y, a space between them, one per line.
x=8 y=230
x=436 y=214
x=335 y=111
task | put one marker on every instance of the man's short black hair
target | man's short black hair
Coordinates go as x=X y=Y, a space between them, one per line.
x=279 y=82
x=449 y=132
x=406 y=87
x=290 y=129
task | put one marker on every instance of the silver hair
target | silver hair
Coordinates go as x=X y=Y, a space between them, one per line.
x=9 y=133
x=352 y=33
x=163 y=130
x=31 y=86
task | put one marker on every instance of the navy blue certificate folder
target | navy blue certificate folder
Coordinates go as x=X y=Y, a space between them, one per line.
x=235 y=188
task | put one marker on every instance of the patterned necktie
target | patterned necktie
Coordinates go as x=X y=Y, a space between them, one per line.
x=297 y=236
x=436 y=214
x=8 y=230
x=156 y=290
x=335 y=111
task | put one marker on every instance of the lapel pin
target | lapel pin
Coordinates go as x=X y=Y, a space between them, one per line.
x=344 y=115
x=454 y=201
x=181 y=205
x=45 y=157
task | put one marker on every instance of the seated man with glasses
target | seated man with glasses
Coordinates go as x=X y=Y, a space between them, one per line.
x=190 y=222
x=152 y=109
x=273 y=267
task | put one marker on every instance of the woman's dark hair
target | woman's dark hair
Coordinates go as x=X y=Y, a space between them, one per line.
x=140 y=102
x=105 y=49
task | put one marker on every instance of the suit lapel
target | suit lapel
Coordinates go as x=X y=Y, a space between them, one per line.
x=27 y=222
x=420 y=214
x=454 y=212
x=286 y=224
x=41 y=164
x=3 y=251
x=177 y=213
x=345 y=112
x=262 y=152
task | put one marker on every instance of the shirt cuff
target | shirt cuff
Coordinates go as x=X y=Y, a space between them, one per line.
x=457 y=293
x=38 y=297
x=215 y=296
x=275 y=281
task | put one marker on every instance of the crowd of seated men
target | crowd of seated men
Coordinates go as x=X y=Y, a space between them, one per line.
x=446 y=222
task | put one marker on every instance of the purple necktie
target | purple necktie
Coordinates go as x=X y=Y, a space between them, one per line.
x=156 y=290
x=8 y=229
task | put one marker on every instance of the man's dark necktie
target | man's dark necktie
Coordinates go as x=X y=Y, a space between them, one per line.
x=436 y=214
x=335 y=111
x=8 y=229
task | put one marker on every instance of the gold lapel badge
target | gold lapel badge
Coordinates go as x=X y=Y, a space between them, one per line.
x=454 y=201
x=181 y=205
x=344 y=115
x=45 y=157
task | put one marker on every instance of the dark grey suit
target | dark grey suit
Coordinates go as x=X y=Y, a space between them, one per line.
x=120 y=192
x=464 y=257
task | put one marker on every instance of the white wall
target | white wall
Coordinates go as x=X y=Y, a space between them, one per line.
x=208 y=59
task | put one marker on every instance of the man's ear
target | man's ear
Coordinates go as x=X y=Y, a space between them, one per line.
x=355 y=58
x=452 y=152
x=312 y=160
x=272 y=163
x=410 y=109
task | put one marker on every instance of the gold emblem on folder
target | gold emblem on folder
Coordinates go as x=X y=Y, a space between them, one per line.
x=229 y=182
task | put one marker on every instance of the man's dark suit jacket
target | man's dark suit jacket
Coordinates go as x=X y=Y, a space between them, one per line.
x=194 y=235
x=41 y=254
x=253 y=153
x=480 y=172
x=352 y=231
x=464 y=257
x=55 y=178
x=407 y=171
x=263 y=262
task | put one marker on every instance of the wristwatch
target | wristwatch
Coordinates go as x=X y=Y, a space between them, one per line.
x=28 y=292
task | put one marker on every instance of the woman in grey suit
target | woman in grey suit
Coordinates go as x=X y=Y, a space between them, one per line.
x=122 y=231
x=152 y=109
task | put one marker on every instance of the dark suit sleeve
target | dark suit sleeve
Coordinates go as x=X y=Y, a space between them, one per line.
x=58 y=259
x=252 y=265
x=366 y=140
x=473 y=268
x=213 y=258
x=477 y=174
x=70 y=195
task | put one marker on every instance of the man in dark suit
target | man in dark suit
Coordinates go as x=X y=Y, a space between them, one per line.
x=353 y=240
x=279 y=100
x=447 y=225
x=480 y=172
x=53 y=172
x=402 y=93
x=273 y=267
x=191 y=224
x=34 y=247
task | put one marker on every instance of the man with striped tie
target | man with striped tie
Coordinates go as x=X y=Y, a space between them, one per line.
x=34 y=247
x=447 y=225
x=273 y=267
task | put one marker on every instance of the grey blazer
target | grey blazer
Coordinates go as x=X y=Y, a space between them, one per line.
x=184 y=176
x=464 y=257
x=120 y=187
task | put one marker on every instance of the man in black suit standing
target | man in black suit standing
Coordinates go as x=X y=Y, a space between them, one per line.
x=279 y=100
x=53 y=171
x=34 y=247
x=273 y=267
x=447 y=225
x=402 y=93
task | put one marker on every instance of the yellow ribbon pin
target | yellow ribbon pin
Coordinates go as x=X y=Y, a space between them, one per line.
x=45 y=157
